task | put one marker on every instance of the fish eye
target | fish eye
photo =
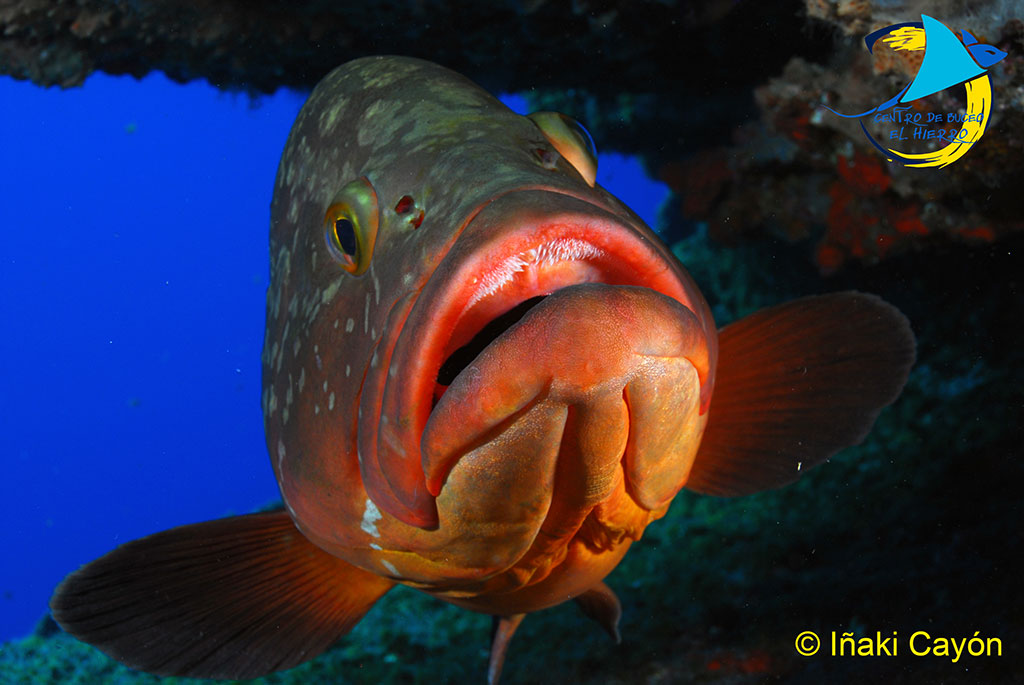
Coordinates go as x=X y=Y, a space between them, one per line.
x=572 y=141
x=345 y=236
x=351 y=223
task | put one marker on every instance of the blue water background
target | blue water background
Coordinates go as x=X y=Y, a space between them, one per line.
x=133 y=270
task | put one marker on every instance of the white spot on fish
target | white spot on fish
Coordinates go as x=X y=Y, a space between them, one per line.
x=373 y=361
x=370 y=517
x=330 y=291
x=376 y=289
x=389 y=566
x=374 y=545
x=366 y=314
x=348 y=370
x=325 y=386
x=350 y=325
x=302 y=378
x=330 y=402
x=336 y=322
x=316 y=408
x=280 y=455
x=328 y=118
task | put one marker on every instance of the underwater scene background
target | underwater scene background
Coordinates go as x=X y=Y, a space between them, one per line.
x=133 y=271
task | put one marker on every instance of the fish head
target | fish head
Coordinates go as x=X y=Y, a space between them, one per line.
x=459 y=316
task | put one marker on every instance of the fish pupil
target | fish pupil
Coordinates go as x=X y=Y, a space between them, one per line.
x=461 y=358
x=345 y=233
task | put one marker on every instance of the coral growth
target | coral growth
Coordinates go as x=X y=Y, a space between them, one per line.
x=800 y=172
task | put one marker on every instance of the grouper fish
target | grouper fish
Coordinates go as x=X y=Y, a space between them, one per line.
x=483 y=377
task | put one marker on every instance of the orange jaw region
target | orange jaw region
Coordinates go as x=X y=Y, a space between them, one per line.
x=610 y=374
x=502 y=319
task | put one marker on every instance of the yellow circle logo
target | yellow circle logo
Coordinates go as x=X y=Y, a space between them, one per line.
x=947 y=62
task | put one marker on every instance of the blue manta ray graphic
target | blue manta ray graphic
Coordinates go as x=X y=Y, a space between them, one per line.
x=947 y=62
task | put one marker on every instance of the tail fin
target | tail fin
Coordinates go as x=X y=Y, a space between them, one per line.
x=233 y=598
x=797 y=383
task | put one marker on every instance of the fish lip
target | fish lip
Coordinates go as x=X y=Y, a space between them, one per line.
x=619 y=247
x=522 y=262
x=390 y=447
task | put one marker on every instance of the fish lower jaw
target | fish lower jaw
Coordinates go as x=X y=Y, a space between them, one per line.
x=581 y=384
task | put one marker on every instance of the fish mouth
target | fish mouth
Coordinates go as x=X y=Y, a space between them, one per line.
x=502 y=279
x=455 y=362
x=509 y=258
x=507 y=286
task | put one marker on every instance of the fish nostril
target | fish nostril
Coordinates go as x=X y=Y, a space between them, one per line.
x=405 y=205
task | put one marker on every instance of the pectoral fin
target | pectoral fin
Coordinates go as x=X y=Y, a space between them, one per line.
x=797 y=383
x=233 y=598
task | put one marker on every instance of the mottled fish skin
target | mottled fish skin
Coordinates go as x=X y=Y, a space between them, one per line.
x=335 y=343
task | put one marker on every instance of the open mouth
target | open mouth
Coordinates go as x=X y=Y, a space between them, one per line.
x=460 y=358
x=518 y=250
x=505 y=287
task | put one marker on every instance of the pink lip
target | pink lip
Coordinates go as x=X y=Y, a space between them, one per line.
x=538 y=263
x=527 y=259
